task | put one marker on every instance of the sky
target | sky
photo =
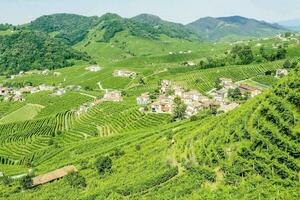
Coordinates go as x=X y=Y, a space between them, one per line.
x=182 y=11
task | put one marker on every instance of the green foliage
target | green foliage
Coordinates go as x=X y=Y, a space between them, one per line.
x=75 y=180
x=24 y=51
x=179 y=109
x=4 y=27
x=26 y=182
x=103 y=164
x=233 y=28
x=68 y=28
x=235 y=93
x=6 y=180
x=242 y=55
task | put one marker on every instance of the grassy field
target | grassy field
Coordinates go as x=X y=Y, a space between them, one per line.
x=27 y=112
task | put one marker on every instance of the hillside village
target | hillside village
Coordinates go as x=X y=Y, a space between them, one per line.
x=194 y=100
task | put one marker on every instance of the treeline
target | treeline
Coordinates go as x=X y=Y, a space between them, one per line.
x=4 y=27
x=27 y=50
x=244 y=55
x=113 y=24
x=69 y=28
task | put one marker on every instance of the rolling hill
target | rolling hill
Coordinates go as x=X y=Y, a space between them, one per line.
x=234 y=27
x=27 y=50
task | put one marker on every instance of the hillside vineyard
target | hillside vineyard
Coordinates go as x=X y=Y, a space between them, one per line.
x=142 y=108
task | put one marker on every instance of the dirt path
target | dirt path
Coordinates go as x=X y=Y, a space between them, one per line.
x=88 y=95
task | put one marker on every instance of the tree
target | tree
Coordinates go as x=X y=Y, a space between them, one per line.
x=242 y=54
x=281 y=53
x=26 y=182
x=76 y=180
x=103 y=164
x=235 y=93
x=287 y=64
x=179 y=110
x=6 y=180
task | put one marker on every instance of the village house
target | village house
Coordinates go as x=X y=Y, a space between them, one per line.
x=45 y=88
x=144 y=99
x=252 y=90
x=59 y=92
x=54 y=175
x=191 y=95
x=84 y=108
x=113 y=96
x=165 y=86
x=178 y=91
x=73 y=87
x=164 y=104
x=228 y=107
x=189 y=63
x=227 y=83
x=18 y=98
x=124 y=73
x=193 y=108
x=281 y=73
x=4 y=91
x=57 y=74
x=94 y=68
x=45 y=72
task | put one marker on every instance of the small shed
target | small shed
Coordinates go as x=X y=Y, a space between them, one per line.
x=54 y=175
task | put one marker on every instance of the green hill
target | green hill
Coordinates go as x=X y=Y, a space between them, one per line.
x=69 y=28
x=234 y=27
x=28 y=50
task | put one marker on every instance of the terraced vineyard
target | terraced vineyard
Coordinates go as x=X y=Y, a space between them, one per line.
x=94 y=122
x=204 y=80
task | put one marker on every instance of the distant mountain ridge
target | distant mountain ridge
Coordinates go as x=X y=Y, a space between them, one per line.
x=73 y=28
x=214 y=29
x=291 y=24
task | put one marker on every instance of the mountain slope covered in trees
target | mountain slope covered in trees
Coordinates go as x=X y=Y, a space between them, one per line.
x=28 y=50
x=234 y=27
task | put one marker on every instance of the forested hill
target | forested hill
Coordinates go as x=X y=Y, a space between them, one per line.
x=72 y=29
x=171 y=29
x=234 y=27
x=27 y=50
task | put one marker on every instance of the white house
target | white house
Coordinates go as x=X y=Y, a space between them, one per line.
x=162 y=105
x=113 y=96
x=144 y=99
x=124 y=73
x=45 y=72
x=93 y=68
x=281 y=73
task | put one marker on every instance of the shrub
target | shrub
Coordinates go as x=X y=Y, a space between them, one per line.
x=193 y=118
x=103 y=164
x=75 y=180
x=117 y=153
x=6 y=180
x=26 y=182
x=138 y=147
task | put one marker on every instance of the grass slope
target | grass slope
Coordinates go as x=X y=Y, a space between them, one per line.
x=27 y=112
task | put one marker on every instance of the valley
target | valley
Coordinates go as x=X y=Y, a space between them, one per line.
x=144 y=108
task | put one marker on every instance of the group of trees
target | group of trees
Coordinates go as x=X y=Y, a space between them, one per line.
x=244 y=55
x=27 y=50
x=236 y=94
x=69 y=28
x=4 y=27
x=179 y=110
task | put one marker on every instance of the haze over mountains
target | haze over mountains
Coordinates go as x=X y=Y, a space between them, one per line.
x=291 y=24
